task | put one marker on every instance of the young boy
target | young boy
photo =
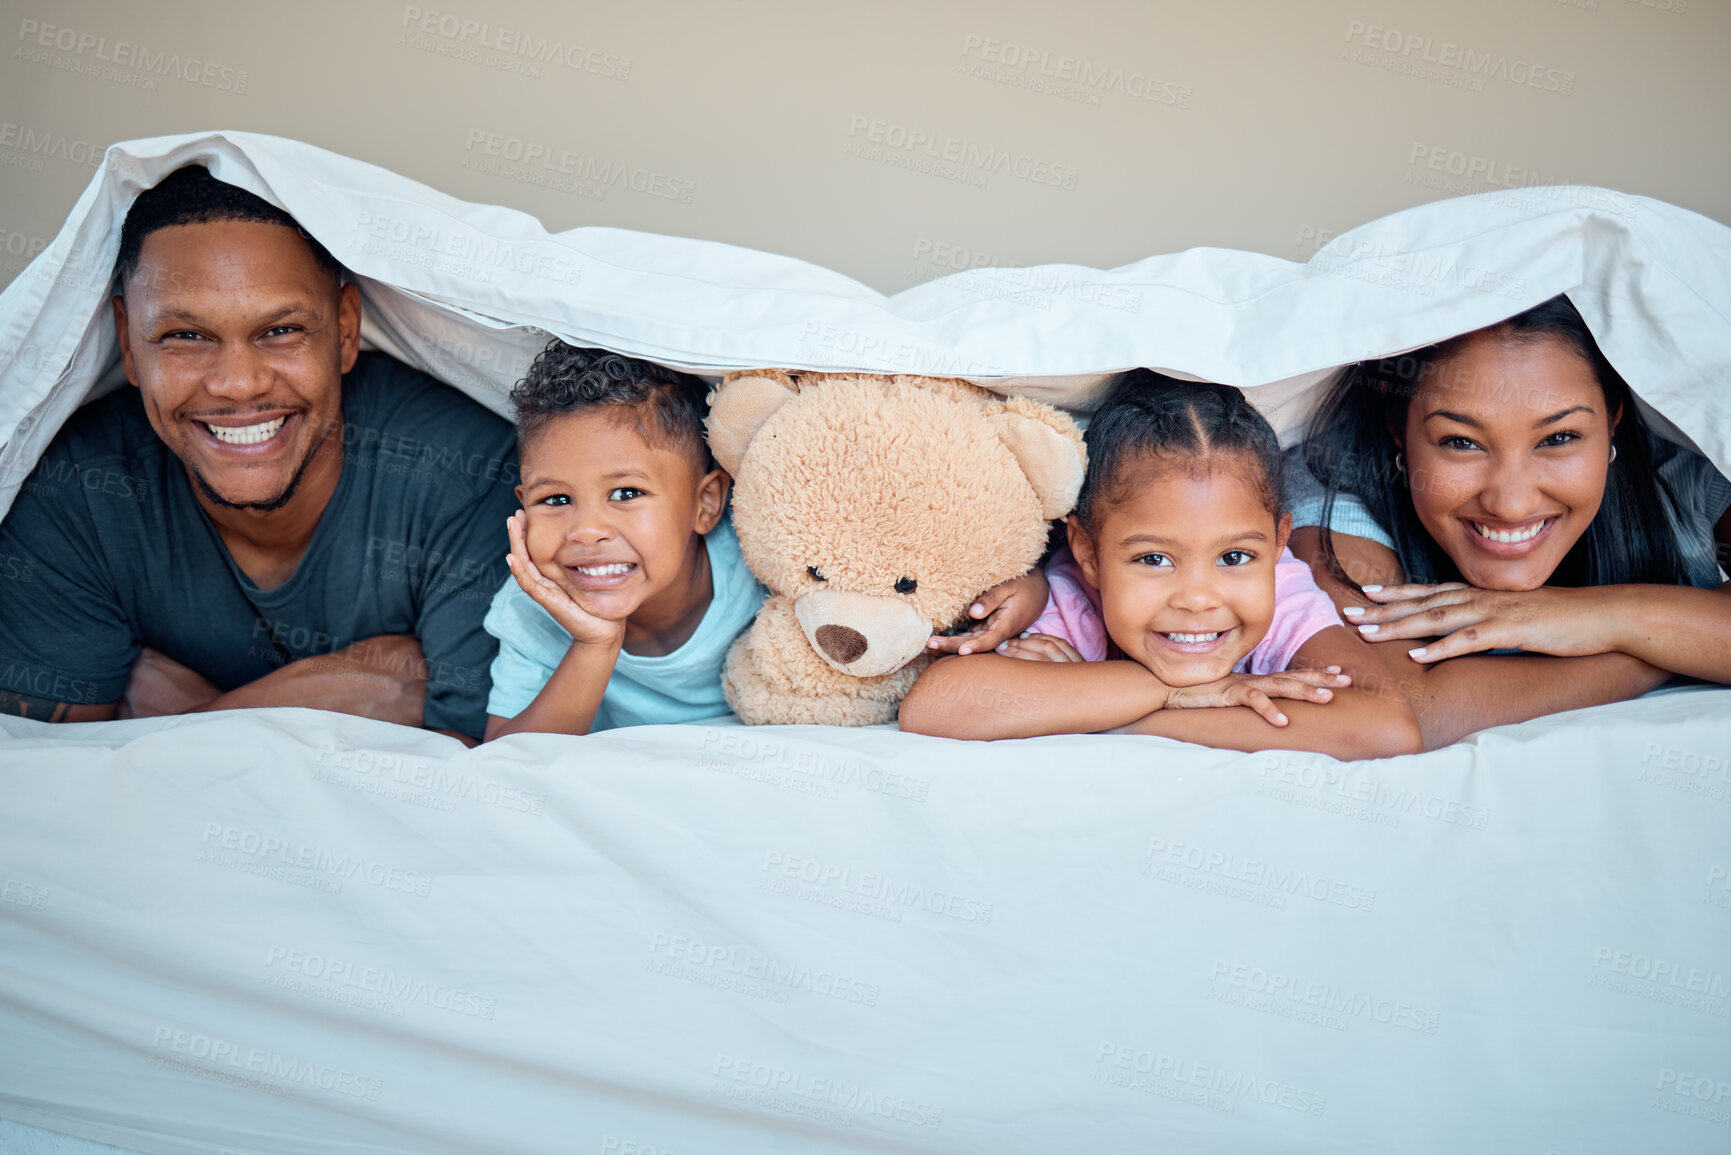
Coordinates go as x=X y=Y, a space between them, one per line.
x=627 y=585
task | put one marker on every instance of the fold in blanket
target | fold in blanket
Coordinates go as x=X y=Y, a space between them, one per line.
x=469 y=292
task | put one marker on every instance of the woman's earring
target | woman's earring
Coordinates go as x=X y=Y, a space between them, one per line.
x=1613 y=453
x=1400 y=461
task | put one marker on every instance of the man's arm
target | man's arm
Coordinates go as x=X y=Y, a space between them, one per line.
x=383 y=677
x=1463 y=695
x=48 y=710
x=65 y=643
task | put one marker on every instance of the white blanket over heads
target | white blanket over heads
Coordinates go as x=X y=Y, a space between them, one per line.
x=470 y=292
x=291 y=931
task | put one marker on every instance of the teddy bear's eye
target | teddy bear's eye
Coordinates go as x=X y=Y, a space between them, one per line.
x=907 y=586
x=815 y=576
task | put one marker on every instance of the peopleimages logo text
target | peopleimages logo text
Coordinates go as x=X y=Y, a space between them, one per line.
x=34 y=33
x=1448 y=54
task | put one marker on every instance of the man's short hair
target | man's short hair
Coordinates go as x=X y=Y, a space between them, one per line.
x=669 y=406
x=191 y=196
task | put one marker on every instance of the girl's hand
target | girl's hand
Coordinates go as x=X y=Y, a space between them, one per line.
x=1257 y=690
x=583 y=626
x=1566 y=623
x=1040 y=648
x=1003 y=612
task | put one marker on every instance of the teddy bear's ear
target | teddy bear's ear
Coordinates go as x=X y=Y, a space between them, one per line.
x=1053 y=462
x=738 y=409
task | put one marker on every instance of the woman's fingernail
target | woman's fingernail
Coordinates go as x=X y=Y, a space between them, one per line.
x=1418 y=653
x=1332 y=669
x=1370 y=589
x=1369 y=628
x=1002 y=646
x=1280 y=718
x=976 y=609
x=965 y=650
x=1352 y=611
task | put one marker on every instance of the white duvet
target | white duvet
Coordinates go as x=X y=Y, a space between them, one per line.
x=289 y=931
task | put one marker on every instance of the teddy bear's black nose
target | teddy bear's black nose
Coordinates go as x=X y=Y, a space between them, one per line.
x=842 y=643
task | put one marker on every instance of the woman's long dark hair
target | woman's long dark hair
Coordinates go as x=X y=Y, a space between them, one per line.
x=1350 y=448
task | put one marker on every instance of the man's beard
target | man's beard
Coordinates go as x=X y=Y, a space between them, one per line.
x=275 y=503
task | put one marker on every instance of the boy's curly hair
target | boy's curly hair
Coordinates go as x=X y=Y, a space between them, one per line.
x=669 y=405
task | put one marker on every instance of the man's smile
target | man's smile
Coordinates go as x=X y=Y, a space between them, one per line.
x=247 y=434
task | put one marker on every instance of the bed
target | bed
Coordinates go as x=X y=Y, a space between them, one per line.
x=287 y=931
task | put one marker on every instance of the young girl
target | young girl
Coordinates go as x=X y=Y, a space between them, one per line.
x=1180 y=612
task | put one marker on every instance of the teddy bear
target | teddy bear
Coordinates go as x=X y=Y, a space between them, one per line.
x=875 y=509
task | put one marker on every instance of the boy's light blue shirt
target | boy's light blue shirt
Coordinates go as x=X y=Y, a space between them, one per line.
x=683 y=686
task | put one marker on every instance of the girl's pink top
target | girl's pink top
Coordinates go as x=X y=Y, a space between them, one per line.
x=1301 y=610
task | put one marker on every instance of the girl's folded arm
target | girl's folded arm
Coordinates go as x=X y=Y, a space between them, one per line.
x=1368 y=719
x=991 y=696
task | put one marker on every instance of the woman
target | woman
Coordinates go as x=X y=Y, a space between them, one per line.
x=1493 y=515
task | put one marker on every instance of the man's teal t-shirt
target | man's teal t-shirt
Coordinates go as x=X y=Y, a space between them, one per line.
x=111 y=551
x=683 y=686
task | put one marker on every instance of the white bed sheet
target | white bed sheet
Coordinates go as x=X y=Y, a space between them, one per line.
x=285 y=931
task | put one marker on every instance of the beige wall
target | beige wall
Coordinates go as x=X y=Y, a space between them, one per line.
x=896 y=140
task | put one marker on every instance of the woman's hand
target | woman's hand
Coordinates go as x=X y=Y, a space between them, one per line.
x=1566 y=623
x=583 y=626
x=1257 y=691
x=1002 y=612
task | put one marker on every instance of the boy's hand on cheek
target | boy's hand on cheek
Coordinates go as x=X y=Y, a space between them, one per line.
x=1001 y=613
x=584 y=627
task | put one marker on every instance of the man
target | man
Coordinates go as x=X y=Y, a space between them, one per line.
x=269 y=518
